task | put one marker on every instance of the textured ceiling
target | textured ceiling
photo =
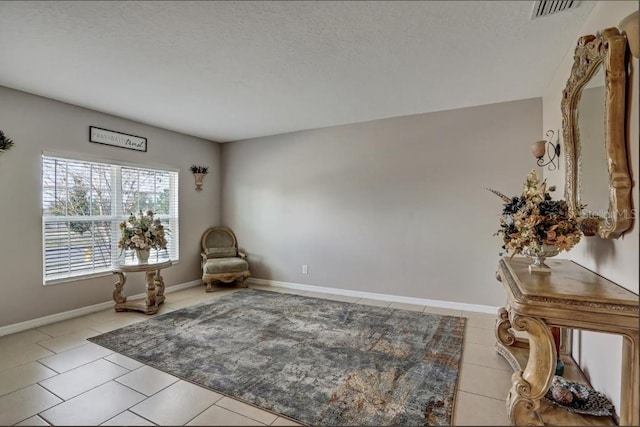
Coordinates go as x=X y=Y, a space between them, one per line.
x=233 y=70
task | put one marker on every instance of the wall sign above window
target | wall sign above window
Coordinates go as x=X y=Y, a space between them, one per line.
x=117 y=139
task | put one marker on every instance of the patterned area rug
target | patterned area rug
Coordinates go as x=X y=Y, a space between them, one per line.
x=316 y=361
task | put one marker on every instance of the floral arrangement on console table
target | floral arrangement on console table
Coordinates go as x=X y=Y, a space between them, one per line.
x=142 y=232
x=534 y=225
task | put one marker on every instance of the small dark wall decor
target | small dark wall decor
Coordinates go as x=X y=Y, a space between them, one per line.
x=117 y=139
x=199 y=173
x=5 y=142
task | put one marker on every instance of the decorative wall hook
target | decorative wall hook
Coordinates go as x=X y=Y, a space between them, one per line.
x=539 y=148
x=198 y=173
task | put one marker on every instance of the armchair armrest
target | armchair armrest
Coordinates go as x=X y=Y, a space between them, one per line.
x=204 y=257
x=241 y=254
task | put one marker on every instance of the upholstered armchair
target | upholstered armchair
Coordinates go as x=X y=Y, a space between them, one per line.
x=221 y=259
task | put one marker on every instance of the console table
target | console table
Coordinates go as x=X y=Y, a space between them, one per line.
x=569 y=297
x=153 y=280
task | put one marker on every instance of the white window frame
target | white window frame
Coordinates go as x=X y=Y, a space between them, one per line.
x=171 y=221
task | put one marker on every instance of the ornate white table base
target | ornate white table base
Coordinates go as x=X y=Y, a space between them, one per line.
x=154 y=287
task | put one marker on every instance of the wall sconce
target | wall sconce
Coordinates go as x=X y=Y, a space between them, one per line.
x=539 y=148
x=631 y=28
x=198 y=173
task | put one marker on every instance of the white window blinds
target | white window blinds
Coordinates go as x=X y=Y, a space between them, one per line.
x=84 y=202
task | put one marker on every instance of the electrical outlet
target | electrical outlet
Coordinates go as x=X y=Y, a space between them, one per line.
x=305 y=269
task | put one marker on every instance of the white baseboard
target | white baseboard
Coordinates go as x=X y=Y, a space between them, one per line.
x=384 y=297
x=58 y=317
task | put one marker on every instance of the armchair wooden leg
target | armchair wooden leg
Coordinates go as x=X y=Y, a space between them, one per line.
x=208 y=282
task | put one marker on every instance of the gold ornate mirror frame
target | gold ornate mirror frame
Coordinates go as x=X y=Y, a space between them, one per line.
x=607 y=49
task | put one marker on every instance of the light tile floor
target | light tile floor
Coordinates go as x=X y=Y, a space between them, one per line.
x=53 y=376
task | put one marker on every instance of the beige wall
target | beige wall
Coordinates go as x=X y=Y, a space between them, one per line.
x=392 y=206
x=39 y=124
x=616 y=260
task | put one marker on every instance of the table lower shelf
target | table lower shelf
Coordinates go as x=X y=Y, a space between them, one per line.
x=140 y=305
x=552 y=415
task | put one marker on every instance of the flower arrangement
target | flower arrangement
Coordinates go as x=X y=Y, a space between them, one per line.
x=533 y=219
x=142 y=231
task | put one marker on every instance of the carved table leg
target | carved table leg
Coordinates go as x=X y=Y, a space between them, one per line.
x=117 y=293
x=151 y=292
x=503 y=334
x=630 y=388
x=530 y=385
x=159 y=288
x=505 y=338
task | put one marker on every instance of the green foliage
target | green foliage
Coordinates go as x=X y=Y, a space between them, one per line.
x=78 y=204
x=162 y=204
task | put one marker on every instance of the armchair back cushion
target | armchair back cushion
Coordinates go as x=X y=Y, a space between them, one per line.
x=220 y=252
x=219 y=242
x=219 y=237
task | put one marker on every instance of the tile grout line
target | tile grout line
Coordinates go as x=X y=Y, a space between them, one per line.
x=127 y=410
x=213 y=404
x=151 y=395
x=75 y=367
x=93 y=388
x=34 y=383
x=201 y=412
x=36 y=415
x=67 y=349
x=487 y=367
x=89 y=389
x=246 y=416
x=36 y=329
x=482 y=395
x=52 y=406
x=490 y=367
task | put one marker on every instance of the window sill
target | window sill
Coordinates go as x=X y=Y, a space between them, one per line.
x=77 y=278
x=82 y=277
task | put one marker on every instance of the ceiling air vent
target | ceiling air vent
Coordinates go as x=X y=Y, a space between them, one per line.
x=549 y=7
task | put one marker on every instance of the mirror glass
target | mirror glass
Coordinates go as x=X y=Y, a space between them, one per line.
x=593 y=173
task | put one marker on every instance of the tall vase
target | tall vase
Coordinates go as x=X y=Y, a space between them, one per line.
x=539 y=255
x=143 y=255
x=199 y=177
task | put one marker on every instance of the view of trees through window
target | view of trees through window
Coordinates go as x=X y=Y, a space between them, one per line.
x=83 y=203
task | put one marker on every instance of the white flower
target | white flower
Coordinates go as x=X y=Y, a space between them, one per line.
x=142 y=232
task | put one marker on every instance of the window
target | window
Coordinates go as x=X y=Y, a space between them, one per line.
x=83 y=204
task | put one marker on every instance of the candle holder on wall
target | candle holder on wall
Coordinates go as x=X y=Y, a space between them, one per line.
x=198 y=173
x=539 y=148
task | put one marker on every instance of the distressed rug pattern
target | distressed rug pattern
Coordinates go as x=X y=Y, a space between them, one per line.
x=317 y=361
